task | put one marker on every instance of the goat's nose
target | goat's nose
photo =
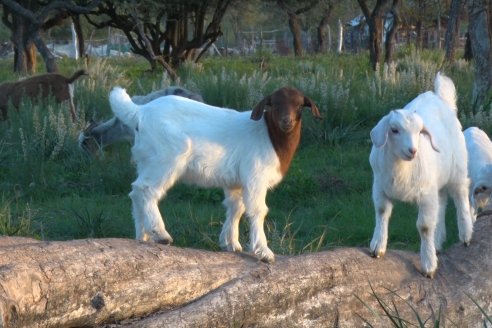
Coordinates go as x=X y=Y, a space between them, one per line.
x=412 y=150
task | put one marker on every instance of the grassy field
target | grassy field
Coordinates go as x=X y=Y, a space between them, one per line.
x=50 y=189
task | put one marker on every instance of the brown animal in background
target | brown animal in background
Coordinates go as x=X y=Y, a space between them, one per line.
x=57 y=85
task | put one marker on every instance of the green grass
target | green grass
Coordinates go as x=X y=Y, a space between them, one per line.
x=324 y=201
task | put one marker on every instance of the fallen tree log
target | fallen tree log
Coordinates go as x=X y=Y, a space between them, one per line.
x=119 y=282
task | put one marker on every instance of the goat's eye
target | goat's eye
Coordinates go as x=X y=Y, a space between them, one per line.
x=394 y=131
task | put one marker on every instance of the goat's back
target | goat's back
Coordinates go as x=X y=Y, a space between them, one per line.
x=218 y=146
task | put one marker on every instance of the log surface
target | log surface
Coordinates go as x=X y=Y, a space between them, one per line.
x=120 y=282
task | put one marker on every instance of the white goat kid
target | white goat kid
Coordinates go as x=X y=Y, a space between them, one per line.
x=245 y=153
x=419 y=155
x=479 y=149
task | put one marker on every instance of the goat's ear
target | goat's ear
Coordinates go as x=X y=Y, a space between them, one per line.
x=257 y=112
x=314 y=109
x=427 y=133
x=379 y=134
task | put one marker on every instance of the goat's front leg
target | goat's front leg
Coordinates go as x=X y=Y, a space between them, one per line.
x=426 y=225
x=383 y=208
x=148 y=220
x=229 y=236
x=256 y=210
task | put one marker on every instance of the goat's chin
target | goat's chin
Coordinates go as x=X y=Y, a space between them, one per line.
x=407 y=157
x=287 y=128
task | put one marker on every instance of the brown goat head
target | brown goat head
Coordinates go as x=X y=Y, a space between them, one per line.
x=286 y=106
x=283 y=121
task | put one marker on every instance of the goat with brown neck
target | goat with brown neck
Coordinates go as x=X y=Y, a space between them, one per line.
x=244 y=153
x=284 y=120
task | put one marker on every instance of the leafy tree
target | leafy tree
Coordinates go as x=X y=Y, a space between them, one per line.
x=294 y=10
x=167 y=32
x=27 y=19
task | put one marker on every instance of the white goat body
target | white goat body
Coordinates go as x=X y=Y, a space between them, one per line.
x=181 y=139
x=419 y=155
x=479 y=149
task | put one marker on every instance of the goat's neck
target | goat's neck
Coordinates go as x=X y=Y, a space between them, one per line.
x=285 y=144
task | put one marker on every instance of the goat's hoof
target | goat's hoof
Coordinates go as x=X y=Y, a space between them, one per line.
x=265 y=256
x=466 y=243
x=429 y=274
x=164 y=241
x=233 y=247
x=377 y=254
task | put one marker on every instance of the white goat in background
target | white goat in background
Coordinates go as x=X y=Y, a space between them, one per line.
x=244 y=153
x=479 y=149
x=419 y=155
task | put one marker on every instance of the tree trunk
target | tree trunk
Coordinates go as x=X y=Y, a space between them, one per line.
x=80 y=35
x=323 y=30
x=481 y=44
x=340 y=37
x=391 y=35
x=452 y=29
x=108 y=281
x=48 y=57
x=419 y=28
x=375 y=38
x=295 y=28
x=375 y=22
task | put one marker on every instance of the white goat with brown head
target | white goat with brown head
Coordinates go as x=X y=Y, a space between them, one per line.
x=244 y=153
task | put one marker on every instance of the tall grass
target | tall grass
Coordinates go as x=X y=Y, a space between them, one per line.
x=324 y=201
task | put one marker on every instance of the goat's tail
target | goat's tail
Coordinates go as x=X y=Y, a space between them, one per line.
x=445 y=89
x=123 y=107
x=76 y=75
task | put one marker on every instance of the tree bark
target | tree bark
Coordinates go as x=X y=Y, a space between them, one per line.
x=117 y=281
x=452 y=29
x=295 y=29
x=391 y=35
x=480 y=33
x=323 y=28
x=375 y=22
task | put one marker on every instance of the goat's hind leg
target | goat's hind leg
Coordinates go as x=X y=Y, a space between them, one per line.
x=459 y=193
x=440 y=234
x=229 y=236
